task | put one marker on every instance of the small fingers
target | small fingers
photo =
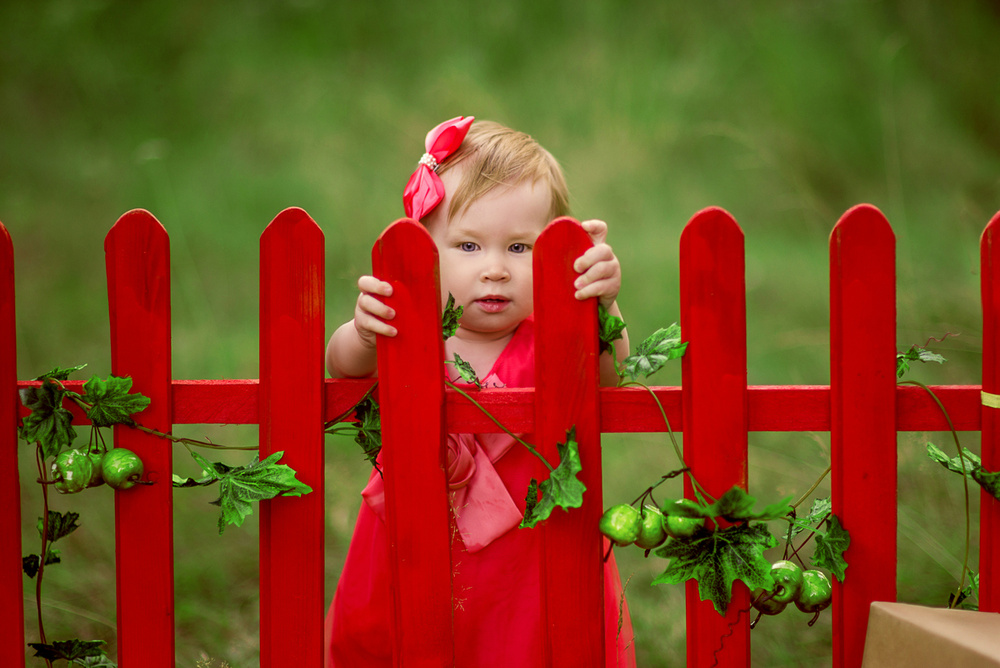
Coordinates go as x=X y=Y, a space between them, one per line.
x=597 y=229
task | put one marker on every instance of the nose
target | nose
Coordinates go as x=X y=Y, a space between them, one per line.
x=494 y=269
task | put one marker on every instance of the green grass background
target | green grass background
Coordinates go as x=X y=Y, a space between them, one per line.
x=217 y=115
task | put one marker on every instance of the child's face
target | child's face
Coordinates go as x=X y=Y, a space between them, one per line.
x=485 y=255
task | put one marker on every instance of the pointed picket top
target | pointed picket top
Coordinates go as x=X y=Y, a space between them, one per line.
x=863 y=417
x=989 y=548
x=293 y=221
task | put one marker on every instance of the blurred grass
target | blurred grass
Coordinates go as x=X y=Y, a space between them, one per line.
x=217 y=115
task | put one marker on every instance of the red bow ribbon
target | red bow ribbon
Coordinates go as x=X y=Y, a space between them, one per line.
x=424 y=190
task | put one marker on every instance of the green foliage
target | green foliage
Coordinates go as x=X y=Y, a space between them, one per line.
x=450 y=317
x=110 y=401
x=562 y=489
x=610 y=328
x=240 y=486
x=970 y=463
x=76 y=651
x=48 y=424
x=717 y=559
x=465 y=371
x=830 y=547
x=915 y=354
x=654 y=352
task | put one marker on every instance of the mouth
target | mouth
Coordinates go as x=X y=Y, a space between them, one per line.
x=492 y=303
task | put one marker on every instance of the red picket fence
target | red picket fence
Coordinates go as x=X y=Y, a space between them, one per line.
x=862 y=408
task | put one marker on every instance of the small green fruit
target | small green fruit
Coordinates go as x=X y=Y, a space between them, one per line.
x=679 y=522
x=96 y=458
x=121 y=468
x=788 y=581
x=816 y=592
x=767 y=604
x=621 y=524
x=71 y=471
x=651 y=533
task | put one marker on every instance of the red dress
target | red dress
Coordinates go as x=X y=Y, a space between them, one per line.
x=496 y=564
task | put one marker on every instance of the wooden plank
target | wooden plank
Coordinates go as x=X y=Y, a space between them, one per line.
x=989 y=514
x=292 y=311
x=11 y=579
x=567 y=381
x=411 y=390
x=863 y=410
x=714 y=377
x=137 y=254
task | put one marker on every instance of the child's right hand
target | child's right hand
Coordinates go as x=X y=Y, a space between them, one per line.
x=371 y=314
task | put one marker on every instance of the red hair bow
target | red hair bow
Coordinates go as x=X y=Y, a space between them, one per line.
x=424 y=190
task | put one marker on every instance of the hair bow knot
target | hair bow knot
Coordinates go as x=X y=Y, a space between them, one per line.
x=424 y=190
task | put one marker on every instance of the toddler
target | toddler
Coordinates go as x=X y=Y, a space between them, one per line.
x=484 y=192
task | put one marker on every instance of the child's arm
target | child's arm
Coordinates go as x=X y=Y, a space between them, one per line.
x=351 y=350
x=601 y=277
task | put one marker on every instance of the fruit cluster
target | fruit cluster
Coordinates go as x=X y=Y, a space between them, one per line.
x=76 y=469
x=809 y=590
x=647 y=528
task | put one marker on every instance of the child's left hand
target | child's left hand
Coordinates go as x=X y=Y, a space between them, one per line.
x=600 y=271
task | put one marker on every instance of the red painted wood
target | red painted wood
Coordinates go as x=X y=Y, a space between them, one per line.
x=292 y=311
x=11 y=579
x=567 y=381
x=863 y=410
x=137 y=254
x=989 y=514
x=714 y=377
x=411 y=389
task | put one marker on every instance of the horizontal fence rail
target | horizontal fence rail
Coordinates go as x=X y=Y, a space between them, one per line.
x=863 y=409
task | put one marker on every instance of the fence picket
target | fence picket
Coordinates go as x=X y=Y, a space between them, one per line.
x=11 y=578
x=566 y=385
x=137 y=254
x=412 y=401
x=714 y=383
x=989 y=513
x=292 y=312
x=863 y=419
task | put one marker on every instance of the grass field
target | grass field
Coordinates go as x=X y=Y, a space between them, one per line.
x=216 y=116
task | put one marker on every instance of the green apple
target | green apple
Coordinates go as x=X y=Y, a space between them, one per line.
x=816 y=592
x=788 y=581
x=121 y=468
x=651 y=533
x=621 y=524
x=71 y=471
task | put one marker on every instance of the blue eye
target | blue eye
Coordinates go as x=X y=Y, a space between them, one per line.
x=518 y=248
x=468 y=246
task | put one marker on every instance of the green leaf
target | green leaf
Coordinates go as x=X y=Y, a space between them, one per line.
x=61 y=374
x=465 y=371
x=30 y=563
x=830 y=547
x=967 y=592
x=655 y=351
x=610 y=328
x=369 y=426
x=562 y=489
x=969 y=463
x=530 y=500
x=111 y=402
x=59 y=525
x=240 y=486
x=717 y=559
x=70 y=650
x=915 y=354
x=48 y=424
x=450 y=317
x=734 y=506
x=819 y=510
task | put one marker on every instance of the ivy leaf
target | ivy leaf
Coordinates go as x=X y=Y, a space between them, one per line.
x=562 y=489
x=59 y=525
x=70 y=650
x=30 y=563
x=655 y=351
x=110 y=401
x=969 y=463
x=830 y=547
x=717 y=559
x=915 y=354
x=466 y=372
x=48 y=424
x=61 y=374
x=737 y=506
x=369 y=426
x=610 y=328
x=967 y=592
x=240 y=486
x=819 y=510
x=531 y=499
x=450 y=317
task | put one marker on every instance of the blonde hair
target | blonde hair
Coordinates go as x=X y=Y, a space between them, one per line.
x=492 y=156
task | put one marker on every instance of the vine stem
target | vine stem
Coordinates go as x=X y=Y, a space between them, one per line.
x=40 y=462
x=698 y=489
x=965 y=480
x=517 y=438
x=814 y=486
